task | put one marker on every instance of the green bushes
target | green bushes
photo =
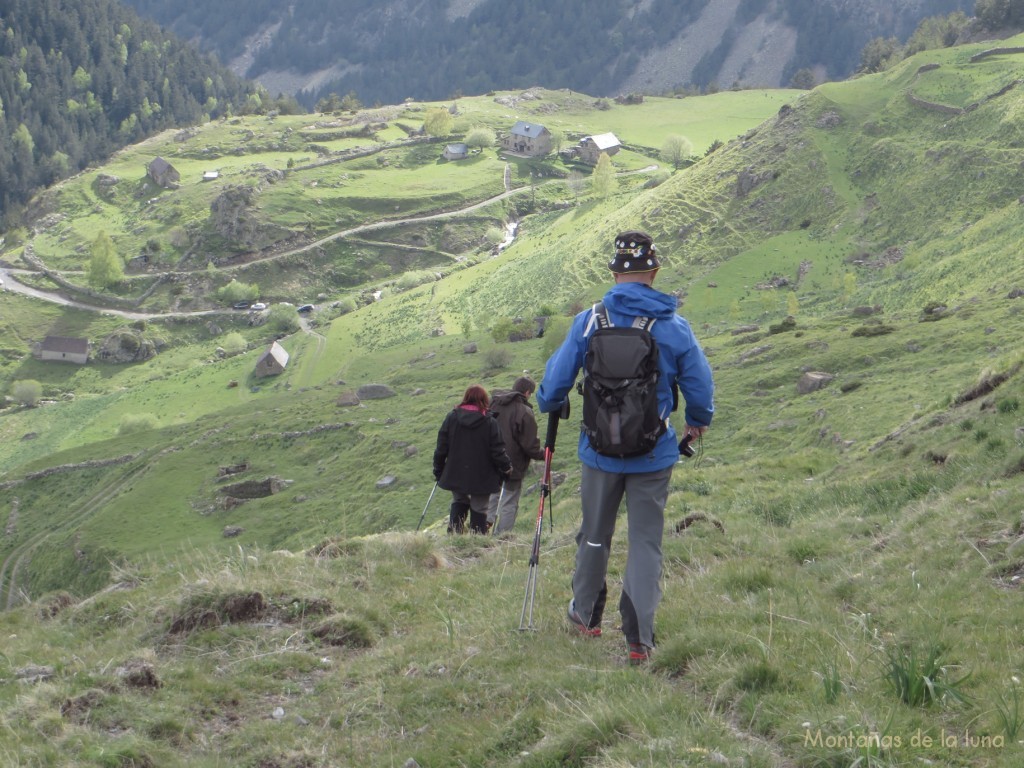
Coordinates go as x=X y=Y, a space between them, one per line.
x=27 y=392
x=132 y=423
x=238 y=291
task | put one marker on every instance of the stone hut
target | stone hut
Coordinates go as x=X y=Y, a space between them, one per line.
x=162 y=173
x=65 y=349
x=455 y=152
x=591 y=147
x=272 y=362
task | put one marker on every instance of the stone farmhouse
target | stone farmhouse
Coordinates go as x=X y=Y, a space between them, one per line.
x=272 y=362
x=591 y=147
x=64 y=349
x=162 y=173
x=527 y=139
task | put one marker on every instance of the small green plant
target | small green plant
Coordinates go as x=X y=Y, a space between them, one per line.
x=759 y=676
x=1008 y=405
x=1009 y=712
x=831 y=678
x=497 y=358
x=919 y=679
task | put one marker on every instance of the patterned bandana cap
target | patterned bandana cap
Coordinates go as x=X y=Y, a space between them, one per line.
x=634 y=252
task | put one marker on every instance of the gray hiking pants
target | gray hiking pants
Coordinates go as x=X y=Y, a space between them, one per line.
x=601 y=493
x=506 y=513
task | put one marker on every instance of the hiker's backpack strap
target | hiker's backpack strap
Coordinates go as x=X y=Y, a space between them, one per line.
x=598 y=319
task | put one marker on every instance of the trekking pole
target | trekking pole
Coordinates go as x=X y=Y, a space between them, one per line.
x=497 y=509
x=563 y=413
x=425 y=506
x=545 y=491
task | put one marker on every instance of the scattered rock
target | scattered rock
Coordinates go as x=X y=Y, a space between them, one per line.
x=34 y=673
x=256 y=489
x=375 y=392
x=347 y=399
x=231 y=531
x=470 y=349
x=812 y=381
x=386 y=482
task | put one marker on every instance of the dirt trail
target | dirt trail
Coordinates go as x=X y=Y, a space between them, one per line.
x=12 y=284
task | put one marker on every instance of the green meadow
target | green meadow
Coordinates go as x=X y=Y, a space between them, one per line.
x=841 y=564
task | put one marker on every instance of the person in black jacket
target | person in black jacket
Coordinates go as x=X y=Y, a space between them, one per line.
x=470 y=460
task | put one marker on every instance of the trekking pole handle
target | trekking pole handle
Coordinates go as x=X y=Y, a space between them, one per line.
x=553 y=418
x=549 y=441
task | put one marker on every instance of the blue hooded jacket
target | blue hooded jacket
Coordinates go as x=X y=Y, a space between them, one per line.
x=681 y=360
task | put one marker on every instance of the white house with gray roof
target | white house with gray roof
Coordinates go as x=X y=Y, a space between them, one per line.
x=64 y=349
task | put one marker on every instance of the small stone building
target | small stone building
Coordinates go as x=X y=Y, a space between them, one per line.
x=527 y=139
x=162 y=173
x=65 y=349
x=272 y=362
x=455 y=152
x=591 y=147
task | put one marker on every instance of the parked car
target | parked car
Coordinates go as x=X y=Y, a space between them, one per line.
x=244 y=304
x=259 y=306
x=306 y=308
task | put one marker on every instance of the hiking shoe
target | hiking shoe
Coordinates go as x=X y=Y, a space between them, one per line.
x=578 y=624
x=639 y=654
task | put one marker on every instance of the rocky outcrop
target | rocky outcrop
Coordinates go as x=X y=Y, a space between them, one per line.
x=126 y=346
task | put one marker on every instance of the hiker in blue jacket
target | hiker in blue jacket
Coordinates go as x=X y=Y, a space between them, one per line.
x=642 y=479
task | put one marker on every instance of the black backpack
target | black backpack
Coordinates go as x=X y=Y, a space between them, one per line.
x=620 y=387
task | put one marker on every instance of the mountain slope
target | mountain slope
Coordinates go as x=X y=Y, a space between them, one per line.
x=841 y=563
x=80 y=79
x=823 y=208
x=388 y=52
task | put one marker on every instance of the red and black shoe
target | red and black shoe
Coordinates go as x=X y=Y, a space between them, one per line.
x=580 y=626
x=639 y=654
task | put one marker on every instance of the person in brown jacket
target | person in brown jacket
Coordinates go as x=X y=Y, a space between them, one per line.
x=470 y=460
x=519 y=431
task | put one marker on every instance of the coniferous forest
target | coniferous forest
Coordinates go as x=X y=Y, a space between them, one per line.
x=81 y=78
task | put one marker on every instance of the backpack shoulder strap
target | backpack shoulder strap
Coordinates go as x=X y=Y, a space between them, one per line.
x=598 y=319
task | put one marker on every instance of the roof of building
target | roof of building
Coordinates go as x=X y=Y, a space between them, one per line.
x=159 y=165
x=458 y=149
x=66 y=345
x=277 y=352
x=603 y=140
x=523 y=128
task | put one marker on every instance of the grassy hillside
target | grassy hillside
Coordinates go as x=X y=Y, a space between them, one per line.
x=842 y=566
